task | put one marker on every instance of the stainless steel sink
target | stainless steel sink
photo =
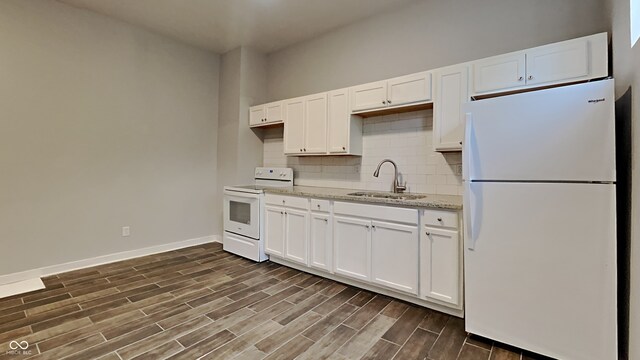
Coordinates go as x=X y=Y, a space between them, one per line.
x=388 y=195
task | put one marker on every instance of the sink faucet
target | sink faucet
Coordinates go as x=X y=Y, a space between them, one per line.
x=397 y=188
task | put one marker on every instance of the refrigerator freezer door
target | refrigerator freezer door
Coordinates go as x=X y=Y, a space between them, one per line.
x=544 y=280
x=559 y=134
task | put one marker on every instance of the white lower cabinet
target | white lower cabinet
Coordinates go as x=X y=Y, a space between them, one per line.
x=274 y=230
x=395 y=256
x=352 y=244
x=320 y=241
x=440 y=265
x=296 y=235
x=286 y=228
x=414 y=254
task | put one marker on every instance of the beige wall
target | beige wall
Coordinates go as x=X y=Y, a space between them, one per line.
x=242 y=84
x=626 y=70
x=102 y=125
x=426 y=35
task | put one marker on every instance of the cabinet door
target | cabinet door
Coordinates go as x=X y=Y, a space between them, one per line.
x=448 y=120
x=315 y=126
x=352 y=247
x=339 y=121
x=256 y=115
x=499 y=73
x=556 y=63
x=294 y=126
x=320 y=248
x=409 y=89
x=273 y=112
x=274 y=231
x=394 y=256
x=296 y=235
x=369 y=96
x=440 y=265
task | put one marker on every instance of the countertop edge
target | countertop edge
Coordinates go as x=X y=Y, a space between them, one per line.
x=418 y=204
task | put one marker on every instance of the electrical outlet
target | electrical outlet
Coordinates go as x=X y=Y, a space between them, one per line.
x=458 y=170
x=126 y=231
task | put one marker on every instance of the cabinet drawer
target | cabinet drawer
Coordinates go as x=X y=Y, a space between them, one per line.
x=387 y=213
x=440 y=218
x=288 y=201
x=319 y=205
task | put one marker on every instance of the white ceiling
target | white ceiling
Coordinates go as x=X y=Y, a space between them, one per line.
x=222 y=25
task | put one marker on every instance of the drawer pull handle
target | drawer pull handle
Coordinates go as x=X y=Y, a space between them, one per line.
x=440 y=219
x=318 y=206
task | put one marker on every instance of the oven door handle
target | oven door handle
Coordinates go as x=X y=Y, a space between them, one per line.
x=240 y=195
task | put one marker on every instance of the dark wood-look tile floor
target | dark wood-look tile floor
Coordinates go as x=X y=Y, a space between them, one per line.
x=201 y=302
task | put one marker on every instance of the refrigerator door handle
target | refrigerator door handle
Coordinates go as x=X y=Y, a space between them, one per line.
x=466 y=149
x=468 y=228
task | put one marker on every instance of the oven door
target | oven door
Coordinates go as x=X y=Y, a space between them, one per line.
x=242 y=213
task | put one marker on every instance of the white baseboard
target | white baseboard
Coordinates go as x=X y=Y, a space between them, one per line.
x=21 y=287
x=104 y=259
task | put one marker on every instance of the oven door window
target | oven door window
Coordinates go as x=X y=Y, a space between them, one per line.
x=240 y=212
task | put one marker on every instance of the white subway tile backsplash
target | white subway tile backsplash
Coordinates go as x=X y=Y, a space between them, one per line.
x=405 y=138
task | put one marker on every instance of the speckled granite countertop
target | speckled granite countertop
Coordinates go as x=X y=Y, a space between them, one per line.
x=452 y=202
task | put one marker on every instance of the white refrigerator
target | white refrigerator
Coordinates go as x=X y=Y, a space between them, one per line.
x=540 y=221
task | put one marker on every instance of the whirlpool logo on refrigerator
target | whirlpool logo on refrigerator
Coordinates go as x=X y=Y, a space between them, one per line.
x=19 y=348
x=595 y=101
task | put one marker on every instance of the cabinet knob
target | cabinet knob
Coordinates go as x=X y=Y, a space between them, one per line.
x=520 y=78
x=283 y=201
x=281 y=212
x=373 y=226
x=428 y=233
x=440 y=219
x=388 y=101
x=344 y=148
x=384 y=102
x=367 y=226
x=530 y=77
x=460 y=142
x=300 y=150
x=318 y=206
x=326 y=220
x=305 y=149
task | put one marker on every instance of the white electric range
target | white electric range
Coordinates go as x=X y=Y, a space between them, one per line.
x=243 y=211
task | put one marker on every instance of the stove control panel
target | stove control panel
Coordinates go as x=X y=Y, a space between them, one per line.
x=268 y=173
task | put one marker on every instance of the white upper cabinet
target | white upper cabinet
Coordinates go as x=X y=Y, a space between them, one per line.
x=409 y=89
x=322 y=124
x=345 y=130
x=315 y=124
x=451 y=91
x=256 y=115
x=369 y=96
x=499 y=72
x=396 y=92
x=563 y=62
x=294 y=126
x=267 y=114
